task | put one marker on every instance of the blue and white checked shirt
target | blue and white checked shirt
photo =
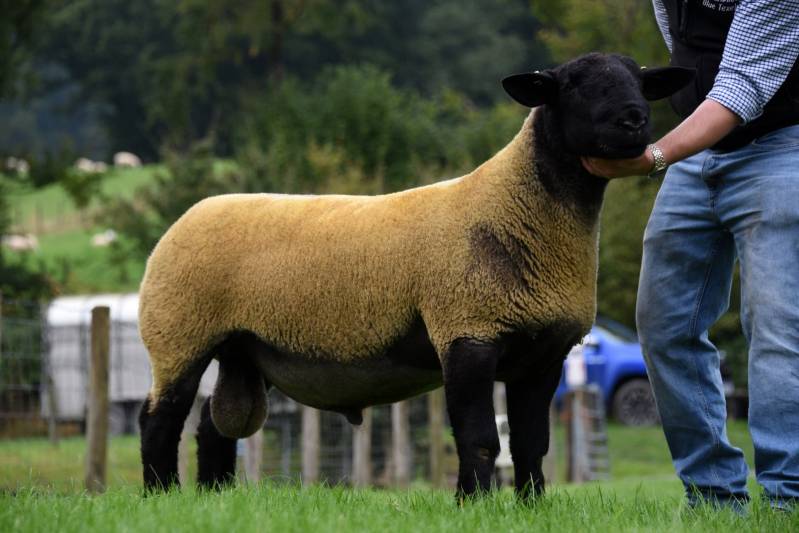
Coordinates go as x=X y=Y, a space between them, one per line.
x=762 y=47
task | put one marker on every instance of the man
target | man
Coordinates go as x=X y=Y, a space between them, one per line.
x=732 y=190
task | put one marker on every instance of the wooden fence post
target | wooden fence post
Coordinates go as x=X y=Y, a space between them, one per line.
x=435 y=414
x=48 y=378
x=362 y=451
x=254 y=456
x=401 y=440
x=97 y=420
x=187 y=435
x=551 y=458
x=310 y=445
x=500 y=401
x=52 y=407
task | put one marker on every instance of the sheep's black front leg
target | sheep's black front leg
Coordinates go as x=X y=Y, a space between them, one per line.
x=216 y=454
x=528 y=416
x=469 y=369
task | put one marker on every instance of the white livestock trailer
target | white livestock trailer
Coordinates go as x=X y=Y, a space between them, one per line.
x=68 y=342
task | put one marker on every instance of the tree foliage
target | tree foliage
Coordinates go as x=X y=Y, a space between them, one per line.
x=18 y=279
x=574 y=27
x=173 y=72
x=17 y=34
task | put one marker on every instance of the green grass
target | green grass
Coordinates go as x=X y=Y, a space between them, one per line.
x=37 y=463
x=31 y=207
x=64 y=231
x=41 y=490
x=636 y=455
x=78 y=267
x=270 y=507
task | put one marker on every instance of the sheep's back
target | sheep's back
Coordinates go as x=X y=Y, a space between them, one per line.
x=326 y=276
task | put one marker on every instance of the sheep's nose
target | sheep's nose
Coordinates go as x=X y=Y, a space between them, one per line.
x=633 y=119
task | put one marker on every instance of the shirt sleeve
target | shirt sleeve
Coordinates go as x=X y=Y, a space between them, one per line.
x=662 y=18
x=762 y=47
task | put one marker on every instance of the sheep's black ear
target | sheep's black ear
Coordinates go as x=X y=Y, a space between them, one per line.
x=532 y=89
x=661 y=82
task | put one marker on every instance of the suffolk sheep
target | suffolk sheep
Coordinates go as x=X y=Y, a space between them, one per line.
x=343 y=302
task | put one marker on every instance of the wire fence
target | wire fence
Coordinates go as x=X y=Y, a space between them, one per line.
x=282 y=447
x=44 y=399
x=44 y=395
x=21 y=376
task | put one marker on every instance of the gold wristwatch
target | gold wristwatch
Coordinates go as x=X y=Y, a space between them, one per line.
x=660 y=160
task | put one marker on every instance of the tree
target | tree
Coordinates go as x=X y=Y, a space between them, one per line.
x=574 y=27
x=166 y=72
x=17 y=34
x=18 y=279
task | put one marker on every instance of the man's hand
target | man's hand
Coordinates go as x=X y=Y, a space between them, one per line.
x=619 y=168
x=705 y=127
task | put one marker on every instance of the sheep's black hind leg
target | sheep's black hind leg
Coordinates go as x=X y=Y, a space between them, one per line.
x=216 y=454
x=161 y=426
x=469 y=369
x=528 y=402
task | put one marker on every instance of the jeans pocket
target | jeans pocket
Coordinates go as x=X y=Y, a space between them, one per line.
x=778 y=139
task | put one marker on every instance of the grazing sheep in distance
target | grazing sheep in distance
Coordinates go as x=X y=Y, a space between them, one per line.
x=126 y=160
x=20 y=243
x=104 y=238
x=18 y=165
x=88 y=166
x=343 y=302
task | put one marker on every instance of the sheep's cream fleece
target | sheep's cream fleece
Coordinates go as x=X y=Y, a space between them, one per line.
x=342 y=277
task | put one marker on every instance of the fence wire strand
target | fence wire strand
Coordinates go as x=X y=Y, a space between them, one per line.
x=44 y=360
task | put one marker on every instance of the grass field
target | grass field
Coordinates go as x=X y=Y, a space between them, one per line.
x=339 y=509
x=64 y=232
x=41 y=491
x=636 y=454
x=41 y=206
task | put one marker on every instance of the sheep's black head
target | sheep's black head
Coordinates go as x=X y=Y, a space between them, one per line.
x=598 y=102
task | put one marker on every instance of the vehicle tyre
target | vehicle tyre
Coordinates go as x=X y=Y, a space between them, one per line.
x=634 y=404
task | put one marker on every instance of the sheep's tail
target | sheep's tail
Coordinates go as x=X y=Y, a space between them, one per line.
x=238 y=404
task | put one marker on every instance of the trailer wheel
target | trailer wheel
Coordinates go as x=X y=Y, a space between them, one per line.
x=634 y=404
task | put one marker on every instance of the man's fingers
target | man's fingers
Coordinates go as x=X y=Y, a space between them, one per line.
x=590 y=165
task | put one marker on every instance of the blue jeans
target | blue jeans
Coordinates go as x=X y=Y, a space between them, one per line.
x=712 y=208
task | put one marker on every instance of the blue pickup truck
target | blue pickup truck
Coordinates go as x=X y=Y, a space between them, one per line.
x=613 y=361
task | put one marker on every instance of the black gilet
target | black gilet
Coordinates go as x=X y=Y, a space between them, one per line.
x=698 y=31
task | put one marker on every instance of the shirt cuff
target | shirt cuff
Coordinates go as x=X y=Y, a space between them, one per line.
x=738 y=96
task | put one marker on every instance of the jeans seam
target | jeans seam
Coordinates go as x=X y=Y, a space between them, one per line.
x=692 y=333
